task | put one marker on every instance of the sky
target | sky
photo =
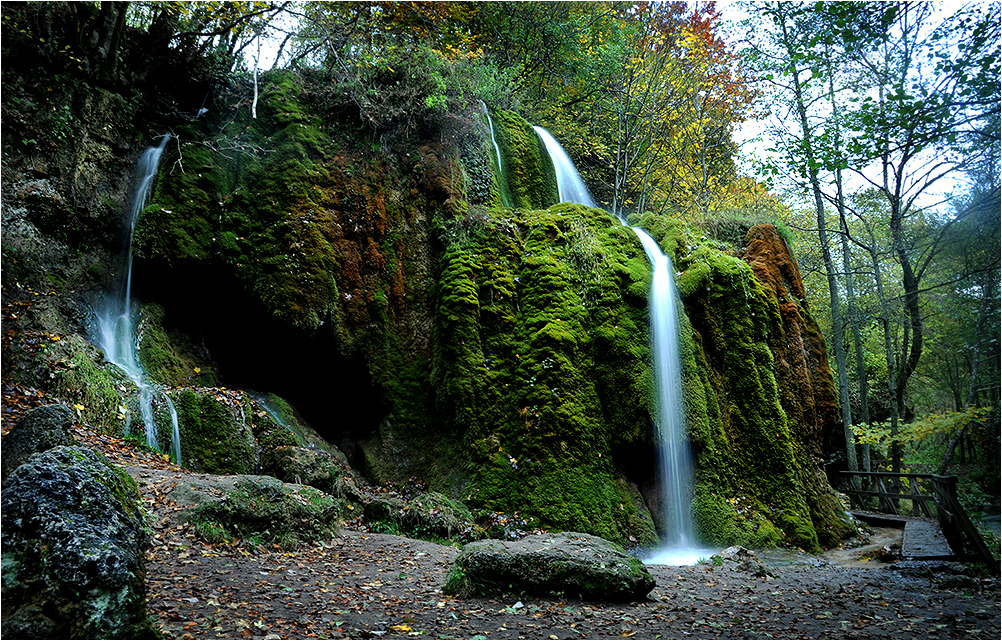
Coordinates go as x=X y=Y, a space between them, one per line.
x=752 y=137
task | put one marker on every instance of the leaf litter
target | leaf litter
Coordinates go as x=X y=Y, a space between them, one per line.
x=369 y=585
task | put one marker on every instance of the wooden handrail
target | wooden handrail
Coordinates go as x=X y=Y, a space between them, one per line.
x=959 y=531
x=892 y=474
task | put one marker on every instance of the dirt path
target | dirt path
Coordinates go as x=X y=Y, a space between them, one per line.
x=364 y=585
x=374 y=585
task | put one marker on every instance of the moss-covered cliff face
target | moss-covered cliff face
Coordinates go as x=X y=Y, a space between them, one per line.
x=541 y=372
x=501 y=355
x=526 y=179
x=759 y=394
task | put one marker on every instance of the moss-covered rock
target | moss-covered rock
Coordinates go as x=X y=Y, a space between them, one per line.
x=261 y=510
x=315 y=468
x=756 y=394
x=215 y=436
x=527 y=179
x=40 y=429
x=99 y=390
x=431 y=515
x=540 y=366
x=565 y=564
x=73 y=539
x=170 y=357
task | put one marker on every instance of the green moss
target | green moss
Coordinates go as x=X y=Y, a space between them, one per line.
x=528 y=179
x=95 y=389
x=525 y=320
x=213 y=440
x=753 y=483
x=259 y=208
x=169 y=357
x=267 y=512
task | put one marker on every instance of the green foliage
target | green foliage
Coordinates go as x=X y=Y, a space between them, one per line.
x=923 y=428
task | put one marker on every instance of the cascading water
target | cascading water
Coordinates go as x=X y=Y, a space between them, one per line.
x=572 y=189
x=674 y=459
x=115 y=332
x=675 y=463
x=497 y=152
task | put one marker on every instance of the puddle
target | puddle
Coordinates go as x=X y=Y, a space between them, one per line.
x=864 y=556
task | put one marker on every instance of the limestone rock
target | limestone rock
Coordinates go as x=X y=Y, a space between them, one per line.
x=569 y=563
x=260 y=509
x=429 y=514
x=73 y=538
x=742 y=560
x=38 y=430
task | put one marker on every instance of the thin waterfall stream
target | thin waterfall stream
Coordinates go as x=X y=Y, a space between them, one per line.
x=674 y=459
x=116 y=331
x=497 y=152
x=572 y=189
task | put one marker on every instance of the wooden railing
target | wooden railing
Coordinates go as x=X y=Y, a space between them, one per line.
x=932 y=496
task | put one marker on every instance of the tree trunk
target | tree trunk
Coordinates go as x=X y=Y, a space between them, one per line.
x=987 y=301
x=819 y=204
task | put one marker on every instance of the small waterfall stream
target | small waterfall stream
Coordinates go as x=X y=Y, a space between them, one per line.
x=674 y=460
x=497 y=152
x=572 y=189
x=115 y=333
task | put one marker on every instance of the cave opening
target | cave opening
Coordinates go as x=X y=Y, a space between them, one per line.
x=254 y=350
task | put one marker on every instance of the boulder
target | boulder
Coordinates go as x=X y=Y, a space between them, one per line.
x=259 y=509
x=40 y=429
x=427 y=515
x=308 y=466
x=73 y=535
x=569 y=563
x=742 y=560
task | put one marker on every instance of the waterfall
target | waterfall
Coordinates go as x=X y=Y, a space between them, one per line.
x=497 y=152
x=572 y=189
x=675 y=463
x=175 y=430
x=674 y=460
x=115 y=333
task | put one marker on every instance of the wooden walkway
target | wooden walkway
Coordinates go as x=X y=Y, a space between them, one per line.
x=922 y=540
x=951 y=535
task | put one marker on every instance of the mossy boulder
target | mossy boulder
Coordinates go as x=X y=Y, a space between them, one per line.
x=568 y=564
x=315 y=468
x=40 y=429
x=428 y=515
x=259 y=509
x=215 y=435
x=73 y=559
